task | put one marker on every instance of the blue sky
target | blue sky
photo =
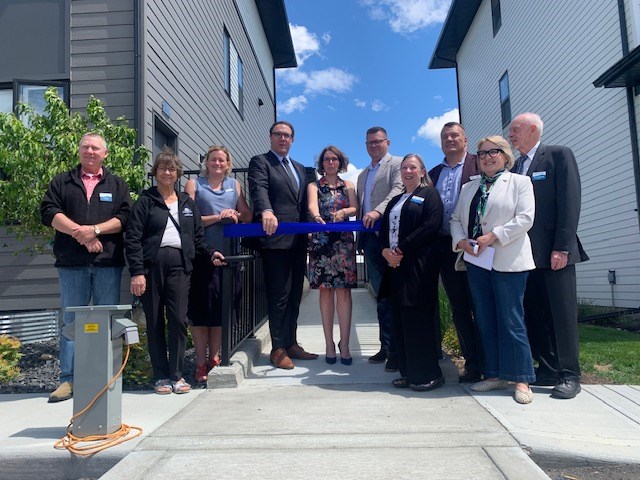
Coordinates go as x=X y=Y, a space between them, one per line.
x=363 y=63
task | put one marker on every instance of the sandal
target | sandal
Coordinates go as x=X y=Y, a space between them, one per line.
x=181 y=386
x=202 y=372
x=214 y=362
x=163 y=387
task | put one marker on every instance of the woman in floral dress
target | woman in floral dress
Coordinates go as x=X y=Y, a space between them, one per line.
x=332 y=255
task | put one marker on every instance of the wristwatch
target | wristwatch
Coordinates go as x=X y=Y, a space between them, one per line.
x=96 y=230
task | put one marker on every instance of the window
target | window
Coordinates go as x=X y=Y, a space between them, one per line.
x=496 y=16
x=233 y=78
x=505 y=101
x=6 y=100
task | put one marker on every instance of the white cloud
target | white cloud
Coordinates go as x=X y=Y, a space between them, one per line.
x=438 y=98
x=298 y=103
x=305 y=43
x=359 y=103
x=351 y=174
x=430 y=130
x=407 y=16
x=329 y=80
x=379 y=106
x=326 y=37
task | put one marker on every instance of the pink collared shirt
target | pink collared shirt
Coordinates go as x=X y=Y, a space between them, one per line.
x=90 y=181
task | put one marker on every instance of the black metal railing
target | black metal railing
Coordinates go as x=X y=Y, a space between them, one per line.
x=244 y=302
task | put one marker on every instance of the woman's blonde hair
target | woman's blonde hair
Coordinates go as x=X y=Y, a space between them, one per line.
x=217 y=148
x=503 y=145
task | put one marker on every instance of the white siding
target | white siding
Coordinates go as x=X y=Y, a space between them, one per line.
x=184 y=66
x=553 y=52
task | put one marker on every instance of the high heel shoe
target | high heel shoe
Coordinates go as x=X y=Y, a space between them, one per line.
x=344 y=361
x=331 y=360
x=202 y=372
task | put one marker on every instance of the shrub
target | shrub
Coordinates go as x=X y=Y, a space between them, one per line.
x=449 y=335
x=9 y=358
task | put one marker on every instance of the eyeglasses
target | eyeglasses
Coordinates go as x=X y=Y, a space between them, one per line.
x=167 y=169
x=331 y=159
x=284 y=135
x=376 y=143
x=493 y=153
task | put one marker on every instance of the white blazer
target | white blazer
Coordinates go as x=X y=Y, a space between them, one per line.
x=509 y=215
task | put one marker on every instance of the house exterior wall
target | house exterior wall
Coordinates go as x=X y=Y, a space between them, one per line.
x=553 y=51
x=184 y=67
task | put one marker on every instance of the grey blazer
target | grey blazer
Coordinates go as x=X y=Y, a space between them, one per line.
x=386 y=185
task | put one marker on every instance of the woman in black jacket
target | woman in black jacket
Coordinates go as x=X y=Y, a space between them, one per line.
x=163 y=234
x=408 y=234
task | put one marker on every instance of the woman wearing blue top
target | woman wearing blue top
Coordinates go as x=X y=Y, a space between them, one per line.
x=220 y=200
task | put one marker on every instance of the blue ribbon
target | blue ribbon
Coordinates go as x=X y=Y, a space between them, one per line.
x=255 y=229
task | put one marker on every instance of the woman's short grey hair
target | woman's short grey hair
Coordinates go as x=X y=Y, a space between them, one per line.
x=167 y=158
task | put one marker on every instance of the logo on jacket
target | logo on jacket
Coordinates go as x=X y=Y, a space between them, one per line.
x=187 y=212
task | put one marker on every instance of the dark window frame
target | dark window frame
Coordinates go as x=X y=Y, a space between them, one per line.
x=496 y=16
x=228 y=86
x=505 y=102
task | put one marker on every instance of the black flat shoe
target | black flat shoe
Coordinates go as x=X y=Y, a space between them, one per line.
x=379 y=357
x=470 y=376
x=425 y=387
x=330 y=360
x=401 y=382
x=566 y=388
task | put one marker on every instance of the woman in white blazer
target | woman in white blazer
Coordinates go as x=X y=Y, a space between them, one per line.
x=496 y=210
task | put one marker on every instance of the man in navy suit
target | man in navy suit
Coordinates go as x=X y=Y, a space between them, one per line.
x=278 y=189
x=448 y=177
x=550 y=301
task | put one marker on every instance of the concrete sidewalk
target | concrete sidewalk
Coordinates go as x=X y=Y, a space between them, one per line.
x=333 y=421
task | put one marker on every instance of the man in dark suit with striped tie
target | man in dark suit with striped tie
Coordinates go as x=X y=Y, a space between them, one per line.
x=550 y=301
x=278 y=189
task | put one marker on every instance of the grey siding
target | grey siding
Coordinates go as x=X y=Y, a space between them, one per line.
x=185 y=68
x=565 y=47
x=102 y=55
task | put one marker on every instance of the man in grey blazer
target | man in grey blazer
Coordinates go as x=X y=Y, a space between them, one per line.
x=278 y=189
x=550 y=302
x=377 y=184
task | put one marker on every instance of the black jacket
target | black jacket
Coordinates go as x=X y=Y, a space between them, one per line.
x=420 y=222
x=66 y=194
x=146 y=226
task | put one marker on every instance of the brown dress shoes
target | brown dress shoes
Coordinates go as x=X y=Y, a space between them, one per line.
x=296 y=351
x=280 y=359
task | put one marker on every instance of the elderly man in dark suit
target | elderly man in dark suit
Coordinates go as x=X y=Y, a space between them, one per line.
x=448 y=177
x=377 y=185
x=550 y=301
x=278 y=189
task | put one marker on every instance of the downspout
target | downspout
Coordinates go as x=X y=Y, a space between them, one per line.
x=138 y=77
x=631 y=109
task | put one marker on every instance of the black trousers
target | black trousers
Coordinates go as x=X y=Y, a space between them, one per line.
x=457 y=288
x=167 y=294
x=551 y=316
x=284 y=275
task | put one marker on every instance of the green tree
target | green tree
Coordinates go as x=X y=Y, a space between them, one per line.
x=32 y=152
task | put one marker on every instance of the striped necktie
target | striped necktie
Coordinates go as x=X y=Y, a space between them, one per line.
x=520 y=165
x=288 y=168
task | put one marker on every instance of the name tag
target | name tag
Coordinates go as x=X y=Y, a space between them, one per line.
x=106 y=197
x=418 y=200
x=536 y=176
x=229 y=190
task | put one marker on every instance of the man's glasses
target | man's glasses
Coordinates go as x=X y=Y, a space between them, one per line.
x=493 y=153
x=375 y=143
x=284 y=135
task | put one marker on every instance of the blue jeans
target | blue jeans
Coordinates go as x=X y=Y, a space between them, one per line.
x=376 y=265
x=78 y=286
x=498 y=297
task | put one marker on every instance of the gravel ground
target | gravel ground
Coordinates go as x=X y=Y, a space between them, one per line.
x=40 y=368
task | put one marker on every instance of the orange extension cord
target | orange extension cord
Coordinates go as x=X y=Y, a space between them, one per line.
x=99 y=442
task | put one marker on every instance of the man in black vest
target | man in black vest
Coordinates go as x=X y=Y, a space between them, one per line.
x=448 y=177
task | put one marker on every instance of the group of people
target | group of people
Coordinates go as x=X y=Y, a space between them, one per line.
x=500 y=233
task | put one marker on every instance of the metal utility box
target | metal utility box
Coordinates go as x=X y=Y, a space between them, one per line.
x=99 y=333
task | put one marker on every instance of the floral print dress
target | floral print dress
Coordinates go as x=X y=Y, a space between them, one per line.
x=332 y=255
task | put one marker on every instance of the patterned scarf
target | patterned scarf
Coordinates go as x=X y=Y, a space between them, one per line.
x=485 y=187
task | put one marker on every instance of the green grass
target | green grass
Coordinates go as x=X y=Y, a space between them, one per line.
x=611 y=354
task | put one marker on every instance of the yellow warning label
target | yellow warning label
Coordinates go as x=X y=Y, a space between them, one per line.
x=91 y=328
